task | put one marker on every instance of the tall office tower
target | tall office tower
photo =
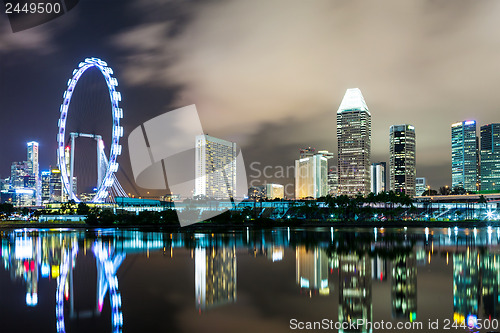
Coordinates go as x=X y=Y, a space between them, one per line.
x=34 y=171
x=355 y=290
x=45 y=186
x=354 y=144
x=215 y=276
x=404 y=285
x=333 y=182
x=215 y=168
x=311 y=174
x=464 y=156
x=490 y=157
x=56 y=191
x=378 y=180
x=33 y=158
x=402 y=167
x=420 y=185
x=312 y=270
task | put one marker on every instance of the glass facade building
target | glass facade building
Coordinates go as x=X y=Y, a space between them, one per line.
x=354 y=144
x=464 y=156
x=378 y=178
x=402 y=165
x=490 y=157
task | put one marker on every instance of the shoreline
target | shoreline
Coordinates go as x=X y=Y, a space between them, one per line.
x=258 y=225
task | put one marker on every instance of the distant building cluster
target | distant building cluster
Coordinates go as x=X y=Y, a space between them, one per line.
x=475 y=160
x=354 y=172
x=28 y=186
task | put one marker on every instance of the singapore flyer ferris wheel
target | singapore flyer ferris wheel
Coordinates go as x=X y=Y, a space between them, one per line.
x=107 y=186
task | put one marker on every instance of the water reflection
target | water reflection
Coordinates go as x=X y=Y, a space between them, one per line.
x=348 y=263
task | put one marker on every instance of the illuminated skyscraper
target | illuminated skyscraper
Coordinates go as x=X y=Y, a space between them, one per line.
x=402 y=159
x=215 y=168
x=464 y=156
x=33 y=158
x=312 y=270
x=56 y=191
x=311 y=174
x=378 y=180
x=490 y=157
x=45 y=181
x=354 y=144
x=333 y=182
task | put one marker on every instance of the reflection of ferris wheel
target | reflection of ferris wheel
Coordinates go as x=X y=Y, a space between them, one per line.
x=107 y=184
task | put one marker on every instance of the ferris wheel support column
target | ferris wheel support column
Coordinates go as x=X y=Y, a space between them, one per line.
x=99 y=160
x=72 y=160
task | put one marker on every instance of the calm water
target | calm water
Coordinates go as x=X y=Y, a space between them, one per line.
x=247 y=281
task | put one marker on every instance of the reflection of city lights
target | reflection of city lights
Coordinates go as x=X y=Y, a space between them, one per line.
x=31 y=299
x=472 y=321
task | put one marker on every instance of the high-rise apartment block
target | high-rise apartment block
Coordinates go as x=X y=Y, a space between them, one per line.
x=402 y=166
x=354 y=144
x=215 y=168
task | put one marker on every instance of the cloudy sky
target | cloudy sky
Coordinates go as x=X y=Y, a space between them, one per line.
x=269 y=75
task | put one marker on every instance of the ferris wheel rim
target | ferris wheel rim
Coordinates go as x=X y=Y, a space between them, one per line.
x=116 y=132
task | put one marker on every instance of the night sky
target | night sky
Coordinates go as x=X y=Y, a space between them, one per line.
x=268 y=75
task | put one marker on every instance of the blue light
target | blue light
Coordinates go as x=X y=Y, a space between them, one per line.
x=472 y=321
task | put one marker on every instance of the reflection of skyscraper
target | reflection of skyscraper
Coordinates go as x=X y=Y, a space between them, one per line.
x=215 y=276
x=312 y=270
x=402 y=159
x=379 y=269
x=464 y=155
x=404 y=286
x=466 y=285
x=355 y=290
x=491 y=284
x=354 y=144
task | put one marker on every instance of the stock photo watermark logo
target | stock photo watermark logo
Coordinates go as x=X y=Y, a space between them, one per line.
x=25 y=14
x=171 y=152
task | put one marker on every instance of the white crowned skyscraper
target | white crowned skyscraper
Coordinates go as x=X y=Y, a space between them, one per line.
x=354 y=144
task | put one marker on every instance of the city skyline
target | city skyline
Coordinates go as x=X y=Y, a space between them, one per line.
x=417 y=83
